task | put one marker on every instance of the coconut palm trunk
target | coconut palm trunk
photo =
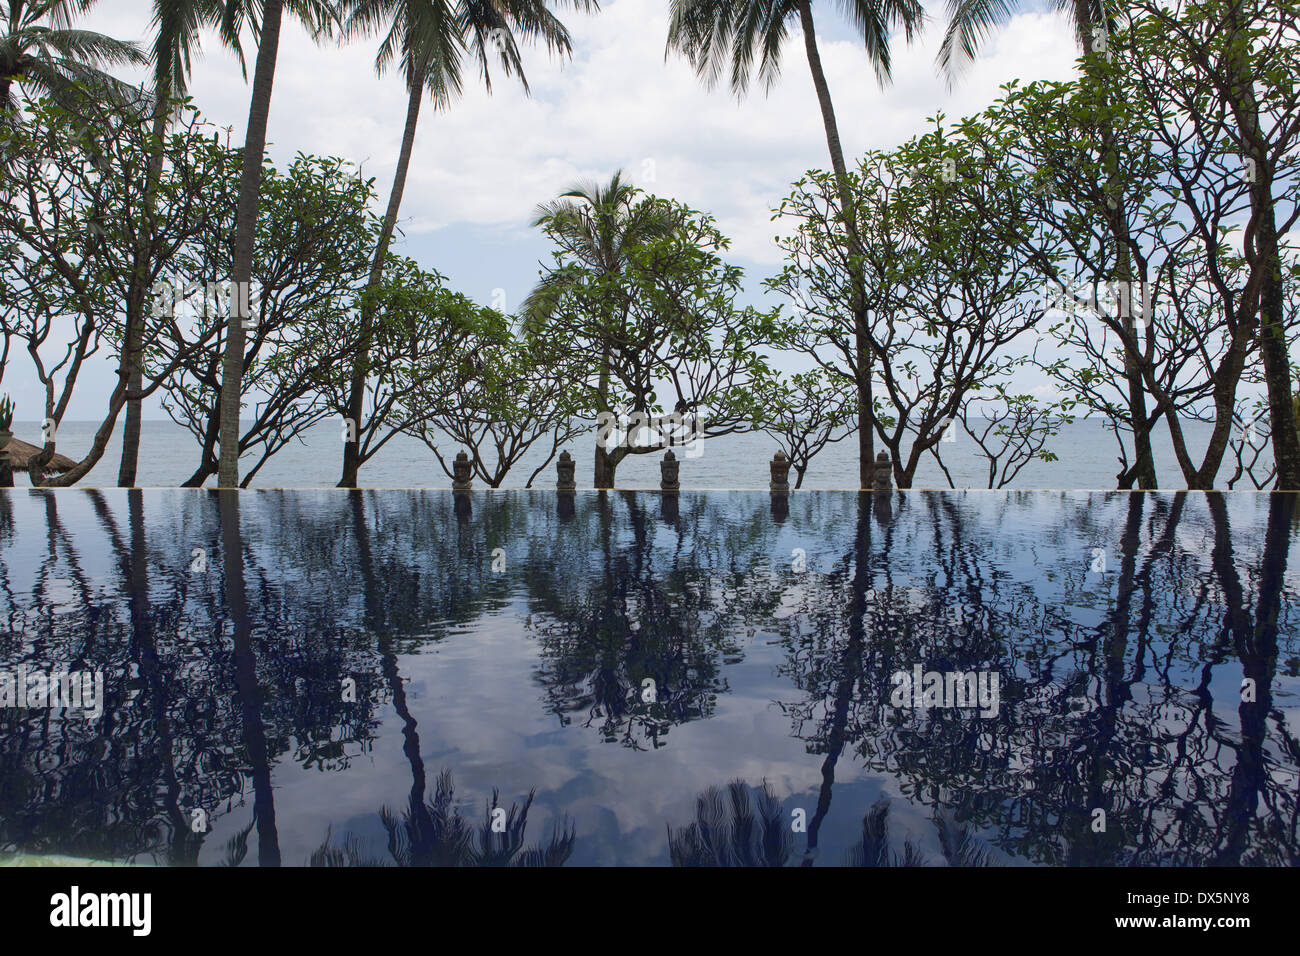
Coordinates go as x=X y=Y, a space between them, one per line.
x=866 y=413
x=250 y=184
x=360 y=370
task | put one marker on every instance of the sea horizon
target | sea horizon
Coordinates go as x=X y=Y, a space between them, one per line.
x=1087 y=454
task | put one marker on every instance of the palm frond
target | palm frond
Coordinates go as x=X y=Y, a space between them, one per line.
x=237 y=845
x=732 y=830
x=960 y=845
x=873 y=848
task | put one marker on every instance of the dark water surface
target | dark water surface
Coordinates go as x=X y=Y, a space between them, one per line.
x=288 y=669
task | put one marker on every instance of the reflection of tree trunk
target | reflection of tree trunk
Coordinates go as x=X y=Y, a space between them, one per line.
x=410 y=734
x=247 y=691
x=56 y=533
x=1117 y=640
x=851 y=670
x=1256 y=647
x=135 y=582
x=1114 y=694
x=184 y=847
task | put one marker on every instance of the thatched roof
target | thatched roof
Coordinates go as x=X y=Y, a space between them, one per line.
x=21 y=452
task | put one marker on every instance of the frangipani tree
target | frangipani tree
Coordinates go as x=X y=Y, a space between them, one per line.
x=428 y=40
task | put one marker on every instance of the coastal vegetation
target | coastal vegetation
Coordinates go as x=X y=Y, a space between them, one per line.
x=1124 y=235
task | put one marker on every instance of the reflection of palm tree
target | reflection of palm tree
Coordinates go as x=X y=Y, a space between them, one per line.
x=729 y=830
x=436 y=834
x=850 y=663
x=247 y=691
x=960 y=845
x=958 y=842
x=873 y=848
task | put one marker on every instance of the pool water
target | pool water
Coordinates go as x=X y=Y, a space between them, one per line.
x=624 y=678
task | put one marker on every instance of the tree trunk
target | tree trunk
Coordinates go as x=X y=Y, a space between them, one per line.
x=1143 y=470
x=357 y=384
x=604 y=476
x=248 y=693
x=250 y=184
x=1263 y=222
x=133 y=340
x=866 y=413
x=866 y=423
x=606 y=466
x=36 y=466
x=131 y=346
x=1273 y=352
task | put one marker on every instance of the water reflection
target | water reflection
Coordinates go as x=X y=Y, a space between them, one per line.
x=615 y=655
x=435 y=833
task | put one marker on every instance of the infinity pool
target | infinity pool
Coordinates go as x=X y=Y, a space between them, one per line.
x=410 y=678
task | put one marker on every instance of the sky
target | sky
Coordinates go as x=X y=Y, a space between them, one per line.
x=482 y=165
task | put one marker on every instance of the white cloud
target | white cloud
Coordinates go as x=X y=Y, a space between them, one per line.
x=489 y=159
x=480 y=167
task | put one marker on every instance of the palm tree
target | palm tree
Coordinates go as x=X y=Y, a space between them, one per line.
x=595 y=226
x=176 y=24
x=971 y=21
x=319 y=15
x=727 y=34
x=41 y=49
x=427 y=39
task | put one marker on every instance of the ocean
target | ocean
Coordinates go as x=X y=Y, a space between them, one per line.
x=169 y=454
